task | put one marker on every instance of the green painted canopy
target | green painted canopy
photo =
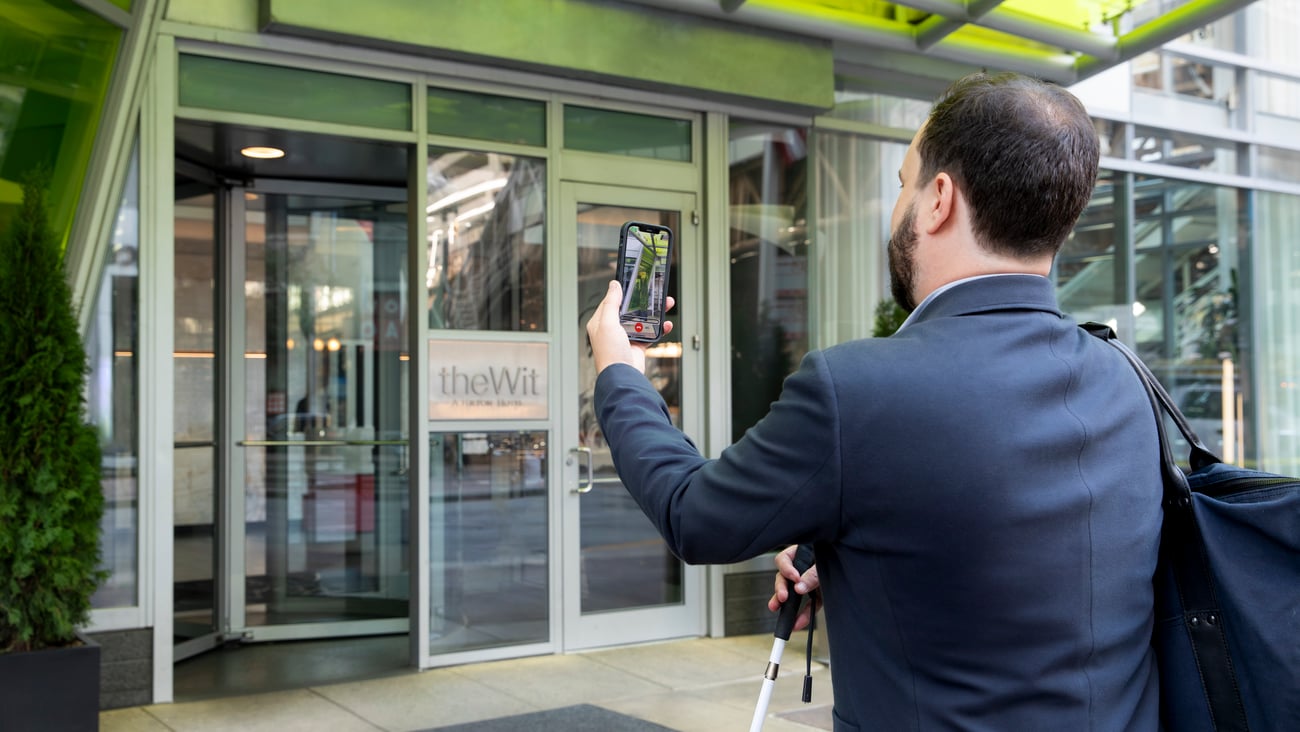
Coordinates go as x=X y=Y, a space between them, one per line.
x=916 y=47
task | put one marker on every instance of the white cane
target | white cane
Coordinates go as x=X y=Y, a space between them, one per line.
x=785 y=619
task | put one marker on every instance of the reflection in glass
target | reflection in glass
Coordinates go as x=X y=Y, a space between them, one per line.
x=624 y=562
x=487 y=241
x=112 y=393
x=1189 y=239
x=324 y=304
x=56 y=60
x=488 y=544
x=876 y=108
x=769 y=264
x=1174 y=75
x=1277 y=324
x=194 y=482
x=1087 y=281
x=1278 y=163
x=851 y=237
x=1151 y=145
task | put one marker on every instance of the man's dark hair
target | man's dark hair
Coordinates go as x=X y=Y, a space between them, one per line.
x=1022 y=151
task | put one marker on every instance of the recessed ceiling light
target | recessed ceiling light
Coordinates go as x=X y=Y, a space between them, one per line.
x=262 y=153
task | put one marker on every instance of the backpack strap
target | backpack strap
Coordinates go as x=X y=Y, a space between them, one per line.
x=1183 y=553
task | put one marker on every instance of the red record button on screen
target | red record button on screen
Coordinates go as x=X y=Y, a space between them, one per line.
x=639 y=327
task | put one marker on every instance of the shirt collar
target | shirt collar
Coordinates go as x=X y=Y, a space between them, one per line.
x=944 y=288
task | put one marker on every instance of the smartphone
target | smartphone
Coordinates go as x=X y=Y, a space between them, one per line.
x=644 y=252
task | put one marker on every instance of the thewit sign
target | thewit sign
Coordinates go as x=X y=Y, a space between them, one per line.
x=487 y=380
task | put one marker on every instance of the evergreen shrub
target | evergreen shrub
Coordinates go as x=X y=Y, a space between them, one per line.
x=51 y=500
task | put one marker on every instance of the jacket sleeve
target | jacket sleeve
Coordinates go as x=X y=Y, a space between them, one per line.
x=780 y=484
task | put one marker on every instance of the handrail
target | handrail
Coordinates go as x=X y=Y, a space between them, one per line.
x=321 y=443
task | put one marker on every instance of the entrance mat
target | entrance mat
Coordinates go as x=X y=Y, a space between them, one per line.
x=578 y=718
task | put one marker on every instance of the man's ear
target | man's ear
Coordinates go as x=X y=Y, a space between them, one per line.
x=942 y=201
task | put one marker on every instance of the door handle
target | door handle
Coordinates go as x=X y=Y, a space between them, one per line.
x=585 y=486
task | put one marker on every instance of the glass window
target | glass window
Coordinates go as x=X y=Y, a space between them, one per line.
x=625 y=133
x=1178 y=76
x=878 y=109
x=1277 y=96
x=112 y=399
x=1278 y=164
x=1274 y=25
x=850 y=238
x=1111 y=137
x=488 y=542
x=1151 y=145
x=1191 y=238
x=1087 y=280
x=487 y=241
x=487 y=117
x=55 y=66
x=240 y=86
x=1276 y=312
x=769 y=264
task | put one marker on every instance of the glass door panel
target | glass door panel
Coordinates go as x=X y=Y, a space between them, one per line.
x=324 y=452
x=628 y=586
x=196 y=532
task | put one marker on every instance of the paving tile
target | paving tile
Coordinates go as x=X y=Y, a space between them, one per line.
x=421 y=700
x=683 y=664
x=558 y=681
x=284 y=711
x=134 y=719
x=691 y=713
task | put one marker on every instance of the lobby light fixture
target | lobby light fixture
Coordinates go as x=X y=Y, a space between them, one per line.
x=259 y=152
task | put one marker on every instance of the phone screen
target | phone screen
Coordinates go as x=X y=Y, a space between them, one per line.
x=643 y=272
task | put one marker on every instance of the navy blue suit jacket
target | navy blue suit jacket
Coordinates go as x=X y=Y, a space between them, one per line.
x=983 y=493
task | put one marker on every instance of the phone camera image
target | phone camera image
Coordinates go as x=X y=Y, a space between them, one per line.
x=643 y=261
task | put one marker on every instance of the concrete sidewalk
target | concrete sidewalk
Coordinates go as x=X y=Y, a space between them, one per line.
x=695 y=685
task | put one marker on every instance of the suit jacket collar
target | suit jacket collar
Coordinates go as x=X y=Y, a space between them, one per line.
x=989 y=294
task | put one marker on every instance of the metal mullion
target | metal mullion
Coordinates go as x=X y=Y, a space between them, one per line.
x=108 y=11
x=1125 y=247
x=387 y=194
x=293 y=124
x=716 y=263
x=1198 y=176
x=419 y=452
x=105 y=177
x=561 y=267
x=157 y=312
x=232 y=249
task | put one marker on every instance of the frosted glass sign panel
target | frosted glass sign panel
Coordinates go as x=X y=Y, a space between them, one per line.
x=487 y=117
x=487 y=380
x=240 y=86
x=625 y=133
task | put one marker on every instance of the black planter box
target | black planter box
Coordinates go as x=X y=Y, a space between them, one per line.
x=50 y=690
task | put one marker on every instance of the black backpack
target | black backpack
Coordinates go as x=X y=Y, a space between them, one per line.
x=1227 y=635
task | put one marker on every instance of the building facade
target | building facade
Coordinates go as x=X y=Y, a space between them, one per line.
x=334 y=260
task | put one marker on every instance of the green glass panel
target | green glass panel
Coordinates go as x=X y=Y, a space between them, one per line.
x=624 y=133
x=240 y=86
x=56 y=60
x=487 y=117
x=123 y=4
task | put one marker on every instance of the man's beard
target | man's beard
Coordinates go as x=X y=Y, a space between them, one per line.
x=902 y=260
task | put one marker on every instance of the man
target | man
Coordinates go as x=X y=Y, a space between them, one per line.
x=982 y=489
